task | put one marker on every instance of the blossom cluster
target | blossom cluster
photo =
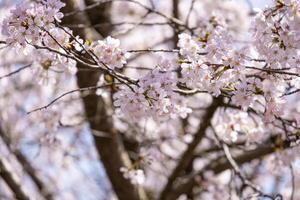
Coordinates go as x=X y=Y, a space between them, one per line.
x=154 y=96
x=48 y=66
x=231 y=125
x=32 y=27
x=212 y=61
x=276 y=35
x=108 y=51
x=28 y=22
x=33 y=24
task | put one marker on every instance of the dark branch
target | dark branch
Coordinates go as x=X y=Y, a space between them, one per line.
x=10 y=180
x=188 y=154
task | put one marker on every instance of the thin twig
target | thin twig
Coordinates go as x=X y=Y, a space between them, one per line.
x=16 y=71
x=152 y=10
x=273 y=71
x=291 y=92
x=66 y=93
x=154 y=50
x=118 y=24
x=236 y=168
x=190 y=12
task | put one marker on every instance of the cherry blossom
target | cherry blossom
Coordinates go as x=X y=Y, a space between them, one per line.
x=136 y=176
x=188 y=95
x=28 y=22
x=154 y=96
x=49 y=66
x=109 y=52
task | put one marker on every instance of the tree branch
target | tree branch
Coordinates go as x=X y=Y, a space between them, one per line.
x=16 y=71
x=221 y=164
x=27 y=167
x=110 y=149
x=96 y=17
x=13 y=184
x=188 y=154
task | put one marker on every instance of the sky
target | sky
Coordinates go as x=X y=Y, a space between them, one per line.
x=261 y=3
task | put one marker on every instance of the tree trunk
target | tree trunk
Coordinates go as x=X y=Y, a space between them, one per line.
x=110 y=146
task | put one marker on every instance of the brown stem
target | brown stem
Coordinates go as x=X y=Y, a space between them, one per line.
x=188 y=154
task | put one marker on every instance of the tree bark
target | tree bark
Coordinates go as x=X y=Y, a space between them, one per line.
x=109 y=146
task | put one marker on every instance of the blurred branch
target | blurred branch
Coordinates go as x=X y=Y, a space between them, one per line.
x=67 y=93
x=74 y=26
x=187 y=20
x=293 y=181
x=188 y=154
x=176 y=15
x=221 y=164
x=236 y=167
x=99 y=14
x=126 y=31
x=173 y=20
x=43 y=189
x=12 y=182
x=16 y=71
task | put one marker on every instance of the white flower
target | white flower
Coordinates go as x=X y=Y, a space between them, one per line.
x=28 y=22
x=136 y=176
x=153 y=97
x=48 y=67
x=109 y=52
x=188 y=47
